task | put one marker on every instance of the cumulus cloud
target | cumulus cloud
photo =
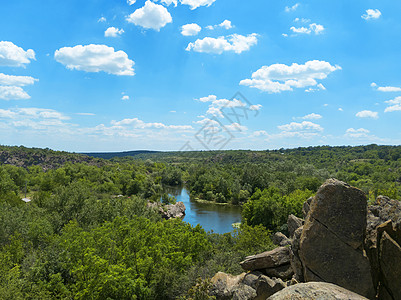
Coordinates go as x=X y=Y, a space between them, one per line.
x=394 y=104
x=371 y=14
x=357 y=133
x=226 y=24
x=255 y=107
x=367 y=114
x=291 y=8
x=125 y=97
x=279 y=77
x=168 y=2
x=95 y=58
x=386 y=89
x=312 y=116
x=139 y=124
x=13 y=93
x=312 y=28
x=209 y=98
x=16 y=80
x=194 y=4
x=13 y=56
x=102 y=19
x=232 y=43
x=305 y=129
x=190 y=29
x=131 y=2
x=32 y=113
x=113 y=32
x=150 y=16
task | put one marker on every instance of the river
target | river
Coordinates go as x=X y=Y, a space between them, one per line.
x=218 y=218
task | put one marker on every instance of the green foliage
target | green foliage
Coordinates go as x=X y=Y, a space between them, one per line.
x=271 y=209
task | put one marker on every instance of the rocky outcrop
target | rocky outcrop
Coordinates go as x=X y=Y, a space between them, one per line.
x=280 y=239
x=252 y=285
x=170 y=211
x=382 y=245
x=293 y=223
x=266 y=260
x=315 y=291
x=331 y=243
x=343 y=250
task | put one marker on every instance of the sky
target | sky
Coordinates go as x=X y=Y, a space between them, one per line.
x=118 y=75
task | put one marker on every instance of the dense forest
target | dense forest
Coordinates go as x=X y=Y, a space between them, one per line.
x=89 y=233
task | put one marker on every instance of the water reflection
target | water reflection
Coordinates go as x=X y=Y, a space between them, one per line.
x=218 y=218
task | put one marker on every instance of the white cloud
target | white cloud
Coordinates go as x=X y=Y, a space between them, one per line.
x=357 y=133
x=313 y=28
x=13 y=93
x=86 y=114
x=302 y=20
x=319 y=87
x=304 y=125
x=209 y=98
x=131 y=2
x=312 y=116
x=190 y=29
x=194 y=4
x=168 y=2
x=226 y=24
x=236 y=127
x=235 y=42
x=371 y=14
x=395 y=104
x=113 y=32
x=32 y=113
x=279 y=77
x=305 y=130
x=125 y=97
x=13 y=56
x=367 y=114
x=102 y=19
x=16 y=80
x=150 y=16
x=291 y=8
x=259 y=133
x=139 y=124
x=255 y=107
x=340 y=109
x=95 y=58
x=386 y=89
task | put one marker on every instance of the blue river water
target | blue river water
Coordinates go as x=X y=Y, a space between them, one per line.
x=218 y=218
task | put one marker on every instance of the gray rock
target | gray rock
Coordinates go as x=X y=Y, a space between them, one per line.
x=280 y=239
x=390 y=262
x=296 y=263
x=252 y=278
x=267 y=286
x=283 y=272
x=306 y=207
x=332 y=239
x=223 y=285
x=293 y=224
x=266 y=260
x=174 y=211
x=243 y=292
x=315 y=291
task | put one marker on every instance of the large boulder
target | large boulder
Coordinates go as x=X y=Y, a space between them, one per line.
x=390 y=263
x=331 y=243
x=224 y=285
x=266 y=260
x=315 y=291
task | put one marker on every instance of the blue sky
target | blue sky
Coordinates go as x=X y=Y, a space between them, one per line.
x=101 y=75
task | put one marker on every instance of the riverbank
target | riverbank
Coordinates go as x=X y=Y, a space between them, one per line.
x=197 y=200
